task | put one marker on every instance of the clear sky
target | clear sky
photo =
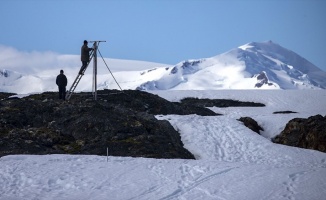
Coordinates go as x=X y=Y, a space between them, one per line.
x=165 y=31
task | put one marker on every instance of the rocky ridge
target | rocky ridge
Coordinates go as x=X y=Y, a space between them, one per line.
x=123 y=122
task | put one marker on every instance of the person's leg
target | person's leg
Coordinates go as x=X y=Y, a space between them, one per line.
x=83 y=67
x=64 y=93
x=60 y=93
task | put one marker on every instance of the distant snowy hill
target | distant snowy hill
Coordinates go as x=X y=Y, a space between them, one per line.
x=264 y=65
x=255 y=65
x=11 y=81
x=7 y=76
x=127 y=72
x=8 y=79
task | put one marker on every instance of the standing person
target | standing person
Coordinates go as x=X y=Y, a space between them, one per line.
x=84 y=56
x=61 y=81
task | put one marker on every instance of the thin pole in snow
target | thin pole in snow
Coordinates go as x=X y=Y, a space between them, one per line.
x=107 y=154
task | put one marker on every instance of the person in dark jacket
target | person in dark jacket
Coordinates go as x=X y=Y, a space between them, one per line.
x=84 y=56
x=61 y=81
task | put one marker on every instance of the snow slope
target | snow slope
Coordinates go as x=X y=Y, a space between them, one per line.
x=232 y=161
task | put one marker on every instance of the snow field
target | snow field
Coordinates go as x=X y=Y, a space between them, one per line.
x=92 y=177
x=212 y=138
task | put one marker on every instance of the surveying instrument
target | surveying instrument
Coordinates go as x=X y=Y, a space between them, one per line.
x=93 y=55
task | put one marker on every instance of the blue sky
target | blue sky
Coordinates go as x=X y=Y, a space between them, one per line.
x=165 y=31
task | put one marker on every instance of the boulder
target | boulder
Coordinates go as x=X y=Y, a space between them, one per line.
x=304 y=133
x=251 y=124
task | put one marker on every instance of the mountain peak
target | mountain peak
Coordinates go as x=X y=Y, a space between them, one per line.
x=264 y=46
x=261 y=54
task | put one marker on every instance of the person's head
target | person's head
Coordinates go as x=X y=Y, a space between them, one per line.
x=85 y=42
x=61 y=71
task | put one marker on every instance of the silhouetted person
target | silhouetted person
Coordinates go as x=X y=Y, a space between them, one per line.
x=61 y=81
x=84 y=56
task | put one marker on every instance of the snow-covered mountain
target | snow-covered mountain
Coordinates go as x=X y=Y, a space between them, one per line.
x=264 y=65
x=127 y=72
x=11 y=81
x=8 y=78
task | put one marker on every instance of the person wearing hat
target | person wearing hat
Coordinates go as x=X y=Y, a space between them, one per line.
x=61 y=81
x=84 y=56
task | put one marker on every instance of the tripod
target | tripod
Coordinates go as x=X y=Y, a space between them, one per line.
x=80 y=75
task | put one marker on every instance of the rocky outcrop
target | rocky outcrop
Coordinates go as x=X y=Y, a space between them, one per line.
x=218 y=103
x=5 y=95
x=4 y=73
x=251 y=124
x=305 y=133
x=262 y=79
x=123 y=122
x=152 y=104
x=284 y=112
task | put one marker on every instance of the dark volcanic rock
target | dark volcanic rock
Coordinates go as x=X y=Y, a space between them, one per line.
x=219 y=103
x=262 y=79
x=153 y=104
x=123 y=122
x=5 y=95
x=305 y=133
x=284 y=112
x=251 y=124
